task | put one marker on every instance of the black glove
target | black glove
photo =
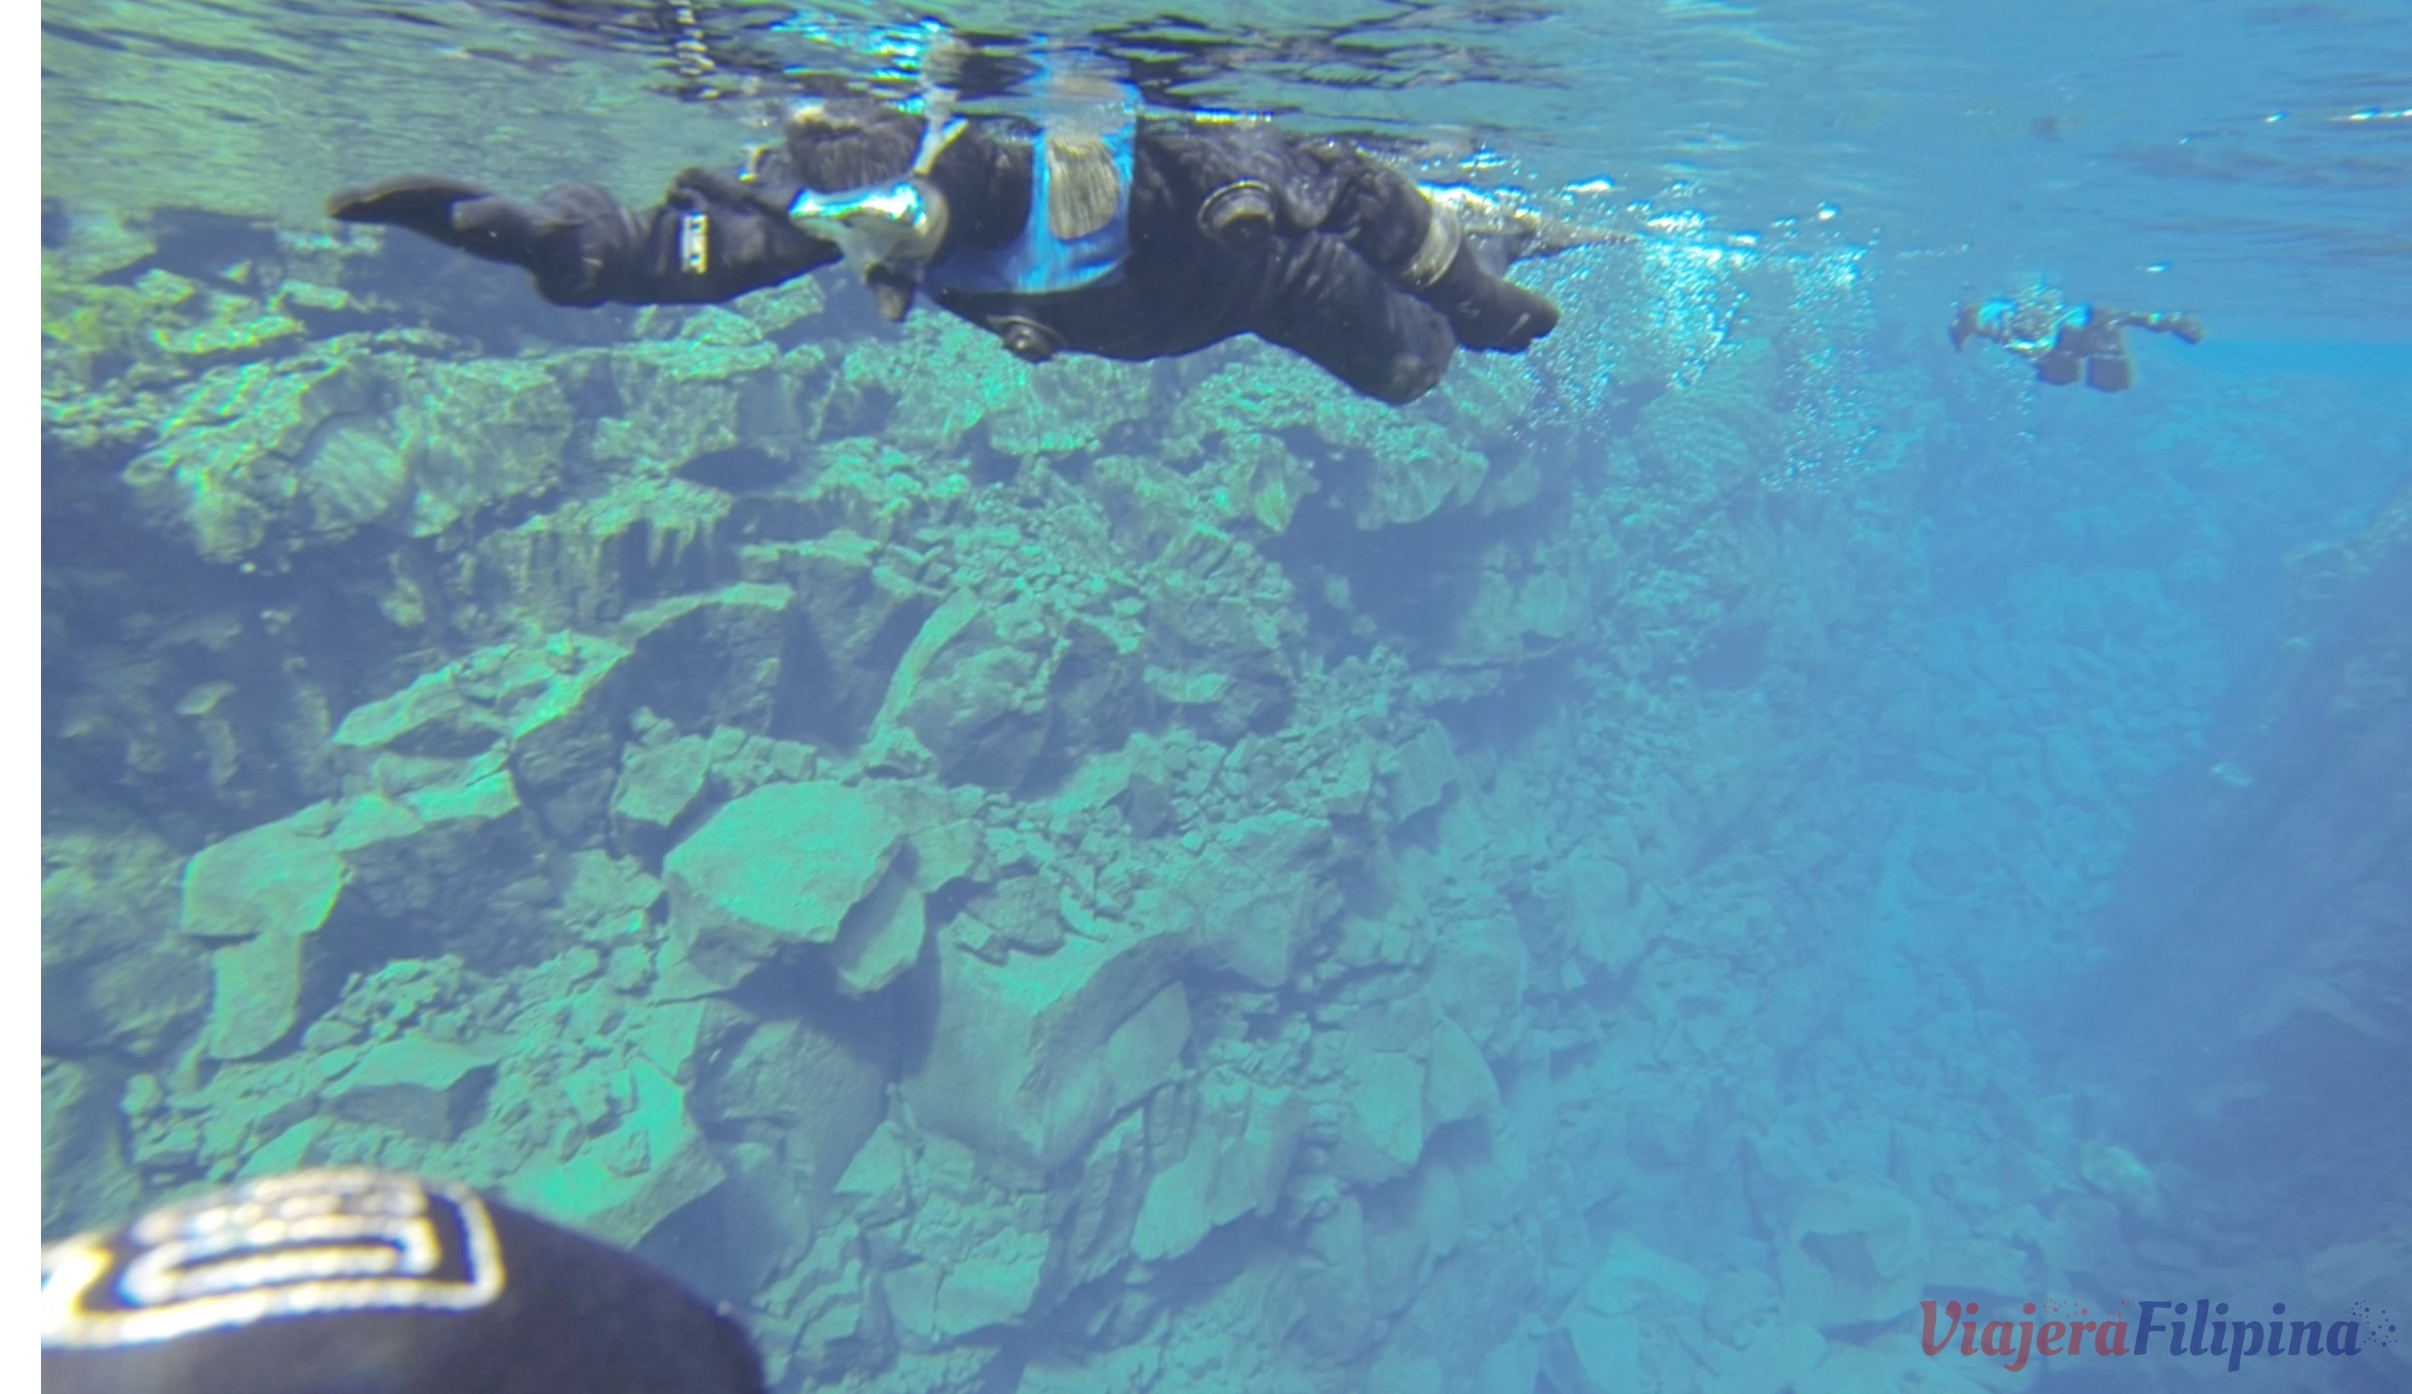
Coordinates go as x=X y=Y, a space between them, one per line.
x=712 y=239
x=1965 y=325
x=1489 y=312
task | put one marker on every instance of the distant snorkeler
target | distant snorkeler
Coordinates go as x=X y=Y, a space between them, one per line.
x=1095 y=231
x=2067 y=341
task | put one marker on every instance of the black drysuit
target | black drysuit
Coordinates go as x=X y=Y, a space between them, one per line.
x=1324 y=270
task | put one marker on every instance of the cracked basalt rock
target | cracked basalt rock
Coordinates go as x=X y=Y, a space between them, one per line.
x=780 y=869
x=270 y=457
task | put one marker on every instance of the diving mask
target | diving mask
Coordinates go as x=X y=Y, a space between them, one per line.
x=893 y=227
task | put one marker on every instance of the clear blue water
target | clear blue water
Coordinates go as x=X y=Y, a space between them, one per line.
x=2024 y=858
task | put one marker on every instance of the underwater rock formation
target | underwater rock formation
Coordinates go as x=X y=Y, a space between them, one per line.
x=2288 y=851
x=1060 y=877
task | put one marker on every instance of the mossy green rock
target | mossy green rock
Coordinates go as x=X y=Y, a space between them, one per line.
x=479 y=432
x=1458 y=1082
x=1852 y=1255
x=979 y=702
x=881 y=937
x=620 y=1185
x=439 y=855
x=1257 y=478
x=779 y=867
x=1031 y=1059
x=949 y=379
x=1413 y=468
x=1237 y=1158
x=112 y=980
x=282 y=878
x=225 y=469
x=263 y=892
x=1382 y=1134
x=507 y=692
x=1248 y=898
x=986 y=1283
x=255 y=994
x=657 y=783
x=85 y=1178
x=856 y=618
x=712 y=660
x=413 y=1084
x=678 y=398
x=269 y=457
x=1421 y=770
x=823 y=1097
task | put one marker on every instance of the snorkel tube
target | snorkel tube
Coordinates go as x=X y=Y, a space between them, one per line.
x=887 y=232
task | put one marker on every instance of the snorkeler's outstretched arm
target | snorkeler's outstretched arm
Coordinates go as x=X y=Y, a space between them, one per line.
x=2186 y=327
x=712 y=239
x=1356 y=324
x=1418 y=243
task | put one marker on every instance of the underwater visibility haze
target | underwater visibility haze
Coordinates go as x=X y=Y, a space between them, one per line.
x=1841 y=822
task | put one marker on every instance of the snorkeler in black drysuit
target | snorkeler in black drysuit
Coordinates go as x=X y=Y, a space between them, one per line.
x=1110 y=235
x=2065 y=341
x=351 y=1281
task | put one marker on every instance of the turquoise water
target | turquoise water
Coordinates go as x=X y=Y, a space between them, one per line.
x=1640 y=871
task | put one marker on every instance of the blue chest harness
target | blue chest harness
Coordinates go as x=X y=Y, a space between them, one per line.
x=1037 y=261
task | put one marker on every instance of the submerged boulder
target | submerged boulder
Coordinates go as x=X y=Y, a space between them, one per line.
x=1853 y=1254
x=657 y=785
x=778 y=868
x=255 y=995
x=113 y=979
x=620 y=1185
x=260 y=895
x=278 y=878
x=1032 y=1059
x=427 y=1088
x=85 y=1176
